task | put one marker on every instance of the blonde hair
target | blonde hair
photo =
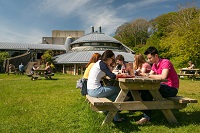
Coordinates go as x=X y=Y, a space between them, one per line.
x=138 y=61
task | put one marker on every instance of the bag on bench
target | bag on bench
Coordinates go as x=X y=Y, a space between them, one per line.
x=82 y=84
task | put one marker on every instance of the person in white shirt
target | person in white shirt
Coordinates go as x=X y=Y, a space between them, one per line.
x=99 y=70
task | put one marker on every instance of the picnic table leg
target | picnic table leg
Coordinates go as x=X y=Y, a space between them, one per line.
x=121 y=96
x=169 y=116
x=167 y=112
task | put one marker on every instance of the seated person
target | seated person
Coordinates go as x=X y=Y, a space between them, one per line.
x=141 y=66
x=95 y=57
x=121 y=65
x=35 y=67
x=191 y=65
x=11 y=68
x=161 y=69
x=48 y=68
x=99 y=70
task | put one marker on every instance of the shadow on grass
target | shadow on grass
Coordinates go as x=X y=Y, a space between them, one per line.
x=184 y=118
x=158 y=119
x=128 y=125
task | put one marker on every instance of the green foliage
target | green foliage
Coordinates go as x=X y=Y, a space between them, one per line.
x=176 y=35
x=182 y=42
x=133 y=34
x=48 y=57
x=3 y=56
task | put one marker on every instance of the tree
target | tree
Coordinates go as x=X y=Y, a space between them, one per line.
x=133 y=34
x=48 y=57
x=3 y=56
x=182 y=43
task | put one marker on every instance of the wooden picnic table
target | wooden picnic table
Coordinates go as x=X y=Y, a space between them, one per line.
x=41 y=72
x=193 y=73
x=134 y=85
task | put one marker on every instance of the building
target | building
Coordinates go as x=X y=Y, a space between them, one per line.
x=73 y=49
x=81 y=50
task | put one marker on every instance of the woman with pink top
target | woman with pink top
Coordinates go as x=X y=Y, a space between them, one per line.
x=141 y=66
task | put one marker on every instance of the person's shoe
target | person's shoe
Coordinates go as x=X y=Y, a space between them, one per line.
x=119 y=120
x=143 y=121
x=100 y=112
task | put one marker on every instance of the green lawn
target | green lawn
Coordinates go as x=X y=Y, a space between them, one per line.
x=56 y=106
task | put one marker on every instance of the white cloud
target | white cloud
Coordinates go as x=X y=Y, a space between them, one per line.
x=61 y=7
x=140 y=4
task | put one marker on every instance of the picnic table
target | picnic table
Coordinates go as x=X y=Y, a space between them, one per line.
x=13 y=71
x=41 y=72
x=192 y=73
x=134 y=85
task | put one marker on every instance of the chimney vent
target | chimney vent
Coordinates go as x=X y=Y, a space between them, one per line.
x=92 y=28
x=99 y=29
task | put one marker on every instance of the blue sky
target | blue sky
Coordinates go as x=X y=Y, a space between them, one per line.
x=27 y=21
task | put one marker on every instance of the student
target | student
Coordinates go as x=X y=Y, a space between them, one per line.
x=141 y=66
x=191 y=65
x=121 y=64
x=161 y=69
x=48 y=68
x=21 y=69
x=34 y=67
x=95 y=57
x=99 y=70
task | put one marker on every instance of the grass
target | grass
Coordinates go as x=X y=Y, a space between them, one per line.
x=56 y=106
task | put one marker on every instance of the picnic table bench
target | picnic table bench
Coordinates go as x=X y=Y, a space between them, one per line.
x=134 y=85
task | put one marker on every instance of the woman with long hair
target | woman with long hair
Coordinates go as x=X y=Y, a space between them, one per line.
x=95 y=57
x=141 y=66
x=99 y=70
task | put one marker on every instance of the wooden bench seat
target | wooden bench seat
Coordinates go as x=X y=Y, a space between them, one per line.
x=181 y=99
x=102 y=104
x=98 y=101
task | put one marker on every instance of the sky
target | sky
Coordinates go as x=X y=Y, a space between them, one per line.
x=27 y=21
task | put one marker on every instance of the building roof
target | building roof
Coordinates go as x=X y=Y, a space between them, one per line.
x=84 y=57
x=28 y=46
x=96 y=37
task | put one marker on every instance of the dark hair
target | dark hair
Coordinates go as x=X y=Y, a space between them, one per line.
x=107 y=54
x=119 y=57
x=151 y=50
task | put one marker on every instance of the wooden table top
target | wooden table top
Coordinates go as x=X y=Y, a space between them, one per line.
x=141 y=79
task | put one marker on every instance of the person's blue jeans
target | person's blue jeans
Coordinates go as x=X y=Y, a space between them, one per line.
x=109 y=92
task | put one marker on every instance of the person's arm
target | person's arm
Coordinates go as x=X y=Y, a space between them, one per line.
x=107 y=70
x=163 y=75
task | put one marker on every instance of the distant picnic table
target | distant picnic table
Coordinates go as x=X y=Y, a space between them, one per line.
x=191 y=73
x=41 y=72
